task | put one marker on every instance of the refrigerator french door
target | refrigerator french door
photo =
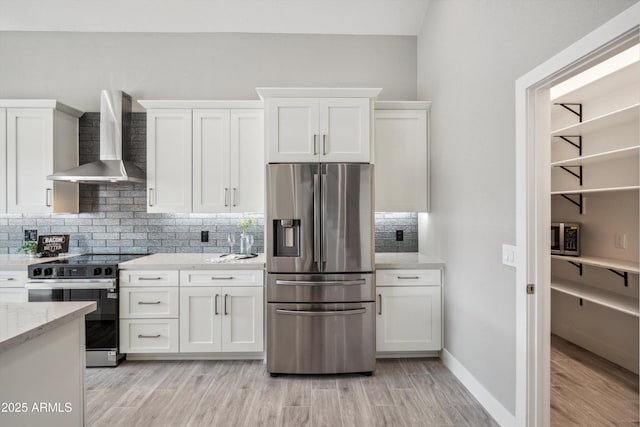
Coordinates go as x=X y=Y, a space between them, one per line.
x=320 y=265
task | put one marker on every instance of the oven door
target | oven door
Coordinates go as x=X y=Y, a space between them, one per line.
x=321 y=338
x=101 y=325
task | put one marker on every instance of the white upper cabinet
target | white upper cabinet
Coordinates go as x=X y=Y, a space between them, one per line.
x=37 y=138
x=247 y=160
x=228 y=160
x=402 y=157
x=211 y=161
x=318 y=125
x=214 y=159
x=169 y=160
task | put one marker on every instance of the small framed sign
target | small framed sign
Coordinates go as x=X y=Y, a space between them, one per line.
x=53 y=245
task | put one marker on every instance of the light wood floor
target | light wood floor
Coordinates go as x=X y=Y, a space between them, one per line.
x=587 y=390
x=402 y=392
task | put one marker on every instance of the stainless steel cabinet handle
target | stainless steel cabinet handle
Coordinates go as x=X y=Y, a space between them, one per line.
x=6 y=279
x=235 y=196
x=47 y=197
x=408 y=277
x=149 y=303
x=226 y=192
x=149 y=197
x=315 y=144
x=322 y=313
x=215 y=303
x=148 y=336
x=222 y=278
x=225 y=305
x=324 y=145
x=323 y=283
x=149 y=278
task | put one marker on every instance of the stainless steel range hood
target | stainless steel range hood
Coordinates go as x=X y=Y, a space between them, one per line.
x=115 y=121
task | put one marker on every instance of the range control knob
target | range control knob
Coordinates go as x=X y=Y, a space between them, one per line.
x=48 y=271
x=97 y=271
x=36 y=271
x=108 y=271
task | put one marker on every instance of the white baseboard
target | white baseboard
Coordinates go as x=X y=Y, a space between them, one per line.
x=486 y=399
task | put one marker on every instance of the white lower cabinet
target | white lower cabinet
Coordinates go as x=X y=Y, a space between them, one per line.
x=409 y=311
x=149 y=304
x=227 y=319
x=149 y=336
x=12 y=286
x=191 y=311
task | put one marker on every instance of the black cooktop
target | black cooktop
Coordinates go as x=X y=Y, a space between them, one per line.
x=81 y=266
x=94 y=259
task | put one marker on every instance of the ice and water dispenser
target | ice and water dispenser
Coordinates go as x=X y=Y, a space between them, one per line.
x=287 y=237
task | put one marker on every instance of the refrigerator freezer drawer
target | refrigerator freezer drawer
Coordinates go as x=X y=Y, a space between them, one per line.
x=321 y=338
x=310 y=288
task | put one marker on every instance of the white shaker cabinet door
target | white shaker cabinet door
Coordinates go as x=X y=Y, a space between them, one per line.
x=401 y=159
x=242 y=319
x=29 y=160
x=408 y=318
x=3 y=160
x=211 y=186
x=247 y=161
x=292 y=130
x=169 y=160
x=345 y=130
x=200 y=319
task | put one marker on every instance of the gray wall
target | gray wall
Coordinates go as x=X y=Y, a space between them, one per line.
x=469 y=55
x=74 y=67
x=114 y=217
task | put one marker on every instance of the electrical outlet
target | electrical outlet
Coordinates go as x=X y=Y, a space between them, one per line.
x=30 y=235
x=620 y=240
x=399 y=235
x=204 y=236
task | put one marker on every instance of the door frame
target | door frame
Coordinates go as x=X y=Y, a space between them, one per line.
x=533 y=212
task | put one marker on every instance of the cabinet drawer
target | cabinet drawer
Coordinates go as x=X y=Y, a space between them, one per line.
x=12 y=279
x=149 y=302
x=14 y=295
x=221 y=277
x=408 y=278
x=149 y=278
x=149 y=336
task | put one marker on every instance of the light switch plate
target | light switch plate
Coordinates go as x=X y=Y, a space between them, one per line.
x=509 y=255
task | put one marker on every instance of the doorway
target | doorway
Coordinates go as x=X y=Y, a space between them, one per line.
x=543 y=188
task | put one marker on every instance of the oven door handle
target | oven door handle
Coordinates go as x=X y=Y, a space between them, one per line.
x=71 y=284
x=324 y=283
x=322 y=313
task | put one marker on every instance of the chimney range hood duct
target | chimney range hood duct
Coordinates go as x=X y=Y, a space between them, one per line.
x=115 y=121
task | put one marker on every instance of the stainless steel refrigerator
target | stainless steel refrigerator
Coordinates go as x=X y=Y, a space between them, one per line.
x=320 y=268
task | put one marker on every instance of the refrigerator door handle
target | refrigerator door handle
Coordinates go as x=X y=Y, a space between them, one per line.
x=322 y=313
x=323 y=283
x=323 y=190
x=316 y=220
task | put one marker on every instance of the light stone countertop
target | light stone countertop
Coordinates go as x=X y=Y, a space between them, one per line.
x=20 y=322
x=406 y=260
x=22 y=261
x=173 y=261
x=199 y=261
